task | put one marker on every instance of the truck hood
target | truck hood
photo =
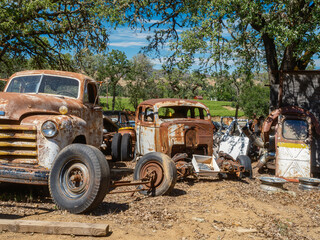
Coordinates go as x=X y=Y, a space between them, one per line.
x=14 y=105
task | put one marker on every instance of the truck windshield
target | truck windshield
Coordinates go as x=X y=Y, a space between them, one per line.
x=182 y=112
x=48 y=84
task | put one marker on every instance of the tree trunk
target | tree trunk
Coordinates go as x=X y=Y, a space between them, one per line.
x=272 y=64
x=288 y=61
x=113 y=95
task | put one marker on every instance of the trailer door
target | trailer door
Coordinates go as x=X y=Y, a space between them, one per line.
x=145 y=130
x=293 y=141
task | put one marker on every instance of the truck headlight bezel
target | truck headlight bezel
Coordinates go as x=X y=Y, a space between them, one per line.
x=49 y=129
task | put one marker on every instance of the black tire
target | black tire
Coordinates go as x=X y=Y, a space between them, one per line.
x=90 y=167
x=165 y=177
x=246 y=162
x=116 y=147
x=126 y=147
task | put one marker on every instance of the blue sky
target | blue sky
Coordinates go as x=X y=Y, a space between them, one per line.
x=130 y=42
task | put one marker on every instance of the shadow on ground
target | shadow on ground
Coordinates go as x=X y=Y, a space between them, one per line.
x=24 y=193
x=109 y=208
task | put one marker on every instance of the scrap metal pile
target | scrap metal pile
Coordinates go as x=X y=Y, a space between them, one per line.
x=54 y=133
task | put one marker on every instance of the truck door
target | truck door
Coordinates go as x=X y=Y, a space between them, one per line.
x=92 y=115
x=145 y=128
x=293 y=141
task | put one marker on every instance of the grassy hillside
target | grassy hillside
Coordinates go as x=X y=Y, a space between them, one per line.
x=221 y=108
x=217 y=108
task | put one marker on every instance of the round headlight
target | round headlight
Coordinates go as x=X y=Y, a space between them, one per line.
x=49 y=129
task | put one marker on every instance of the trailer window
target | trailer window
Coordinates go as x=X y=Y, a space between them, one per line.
x=295 y=129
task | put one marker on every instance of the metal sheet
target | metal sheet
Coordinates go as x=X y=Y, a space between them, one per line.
x=235 y=146
x=146 y=137
x=293 y=160
x=293 y=149
x=176 y=133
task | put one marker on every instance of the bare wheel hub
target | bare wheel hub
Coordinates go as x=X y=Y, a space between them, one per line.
x=75 y=178
x=154 y=172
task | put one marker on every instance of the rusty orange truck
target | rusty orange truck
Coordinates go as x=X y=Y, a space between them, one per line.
x=180 y=130
x=51 y=129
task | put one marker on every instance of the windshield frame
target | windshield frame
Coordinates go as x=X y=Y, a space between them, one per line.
x=39 y=84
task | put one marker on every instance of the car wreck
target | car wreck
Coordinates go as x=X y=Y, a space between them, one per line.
x=51 y=129
x=181 y=130
x=290 y=135
x=287 y=143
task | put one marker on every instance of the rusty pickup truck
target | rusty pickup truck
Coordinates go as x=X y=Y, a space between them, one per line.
x=180 y=130
x=51 y=129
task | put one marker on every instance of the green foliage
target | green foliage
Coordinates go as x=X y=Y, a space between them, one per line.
x=115 y=67
x=120 y=104
x=139 y=79
x=11 y=66
x=217 y=108
x=223 y=89
x=109 y=68
x=183 y=84
x=45 y=29
x=221 y=108
x=2 y=85
x=255 y=100
x=221 y=34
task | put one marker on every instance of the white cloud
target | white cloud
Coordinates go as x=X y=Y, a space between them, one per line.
x=125 y=33
x=158 y=61
x=127 y=44
x=153 y=21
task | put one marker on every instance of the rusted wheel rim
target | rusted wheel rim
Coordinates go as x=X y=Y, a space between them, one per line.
x=74 y=179
x=152 y=170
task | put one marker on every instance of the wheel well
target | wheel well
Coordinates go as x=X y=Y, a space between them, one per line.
x=80 y=139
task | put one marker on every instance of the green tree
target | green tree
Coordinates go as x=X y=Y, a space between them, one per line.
x=139 y=81
x=282 y=34
x=193 y=84
x=254 y=99
x=91 y=64
x=182 y=83
x=111 y=69
x=46 y=29
x=223 y=89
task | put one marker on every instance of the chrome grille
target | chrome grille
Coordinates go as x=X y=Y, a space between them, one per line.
x=18 y=144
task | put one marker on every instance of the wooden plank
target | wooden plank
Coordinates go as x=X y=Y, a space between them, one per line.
x=57 y=228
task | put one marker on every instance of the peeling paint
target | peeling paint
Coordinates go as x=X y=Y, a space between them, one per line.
x=23 y=147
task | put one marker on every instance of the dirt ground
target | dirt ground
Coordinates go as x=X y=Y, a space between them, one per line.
x=207 y=208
